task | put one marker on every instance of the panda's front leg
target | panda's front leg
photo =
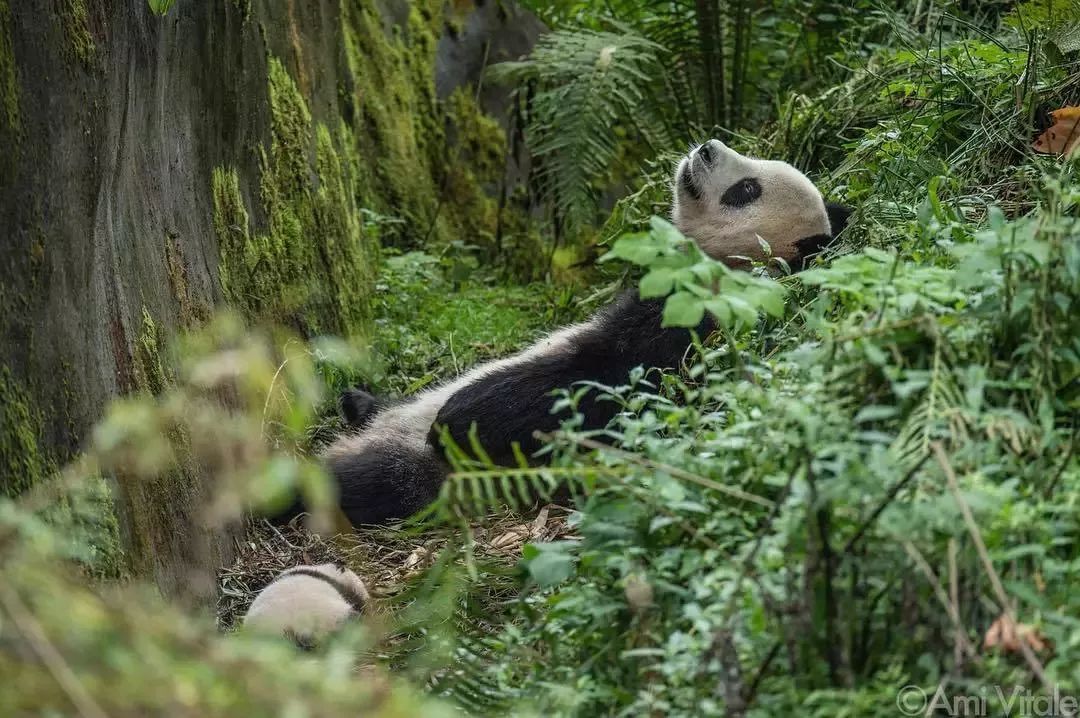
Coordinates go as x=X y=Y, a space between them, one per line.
x=507 y=407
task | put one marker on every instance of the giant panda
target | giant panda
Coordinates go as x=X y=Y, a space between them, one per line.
x=307 y=603
x=391 y=464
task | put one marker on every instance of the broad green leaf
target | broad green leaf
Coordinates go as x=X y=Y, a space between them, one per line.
x=634 y=248
x=683 y=309
x=549 y=565
x=657 y=283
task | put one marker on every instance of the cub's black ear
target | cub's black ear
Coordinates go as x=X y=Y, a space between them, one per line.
x=838 y=217
x=358 y=406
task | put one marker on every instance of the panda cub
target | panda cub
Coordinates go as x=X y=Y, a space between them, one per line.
x=391 y=464
x=308 y=603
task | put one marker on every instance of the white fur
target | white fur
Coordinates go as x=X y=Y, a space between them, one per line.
x=304 y=606
x=408 y=424
x=790 y=208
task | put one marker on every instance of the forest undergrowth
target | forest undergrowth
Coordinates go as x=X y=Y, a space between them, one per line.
x=861 y=492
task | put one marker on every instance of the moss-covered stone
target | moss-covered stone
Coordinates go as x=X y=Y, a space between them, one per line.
x=9 y=79
x=76 y=26
x=478 y=144
x=396 y=115
x=413 y=168
x=22 y=462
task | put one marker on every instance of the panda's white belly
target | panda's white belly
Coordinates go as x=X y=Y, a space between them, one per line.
x=408 y=424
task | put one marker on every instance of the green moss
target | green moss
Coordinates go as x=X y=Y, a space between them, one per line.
x=76 y=26
x=413 y=169
x=479 y=146
x=313 y=268
x=101 y=523
x=85 y=512
x=397 y=151
x=9 y=80
x=290 y=143
x=398 y=130
x=22 y=462
x=150 y=372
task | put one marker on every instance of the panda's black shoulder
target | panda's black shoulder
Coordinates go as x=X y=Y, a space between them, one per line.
x=632 y=330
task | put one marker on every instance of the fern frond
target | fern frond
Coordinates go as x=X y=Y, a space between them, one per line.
x=590 y=84
x=939 y=415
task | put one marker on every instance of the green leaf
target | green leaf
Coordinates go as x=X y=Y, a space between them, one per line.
x=657 y=283
x=720 y=309
x=548 y=564
x=634 y=248
x=666 y=231
x=683 y=309
x=771 y=299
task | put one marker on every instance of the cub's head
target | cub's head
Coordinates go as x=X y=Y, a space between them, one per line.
x=725 y=202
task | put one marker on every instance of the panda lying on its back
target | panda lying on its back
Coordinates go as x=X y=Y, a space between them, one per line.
x=393 y=466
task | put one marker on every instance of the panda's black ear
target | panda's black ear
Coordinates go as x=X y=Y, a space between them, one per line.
x=838 y=217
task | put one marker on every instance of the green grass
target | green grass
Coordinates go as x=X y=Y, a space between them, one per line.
x=429 y=326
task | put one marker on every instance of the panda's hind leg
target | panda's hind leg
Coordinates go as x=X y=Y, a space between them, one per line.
x=387 y=481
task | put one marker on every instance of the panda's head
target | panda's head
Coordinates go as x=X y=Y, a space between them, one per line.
x=308 y=603
x=728 y=203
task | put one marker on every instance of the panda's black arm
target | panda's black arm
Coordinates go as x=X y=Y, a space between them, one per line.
x=510 y=405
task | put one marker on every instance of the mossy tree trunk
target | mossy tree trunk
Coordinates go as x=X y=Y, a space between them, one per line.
x=153 y=169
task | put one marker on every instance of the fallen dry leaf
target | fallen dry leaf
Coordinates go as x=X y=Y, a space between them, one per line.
x=1007 y=634
x=419 y=555
x=1062 y=137
x=511 y=539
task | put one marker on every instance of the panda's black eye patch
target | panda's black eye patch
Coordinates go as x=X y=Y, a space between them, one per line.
x=742 y=193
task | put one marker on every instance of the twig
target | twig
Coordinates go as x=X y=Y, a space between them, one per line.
x=1052 y=484
x=734 y=689
x=751 y=691
x=766 y=526
x=889 y=498
x=270 y=390
x=950 y=608
x=954 y=604
x=984 y=556
x=33 y=633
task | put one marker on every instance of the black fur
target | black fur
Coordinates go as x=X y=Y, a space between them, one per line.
x=509 y=405
x=387 y=481
x=358 y=406
x=810 y=247
x=838 y=217
x=351 y=597
x=745 y=191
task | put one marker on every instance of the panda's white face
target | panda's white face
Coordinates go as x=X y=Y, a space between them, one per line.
x=727 y=203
